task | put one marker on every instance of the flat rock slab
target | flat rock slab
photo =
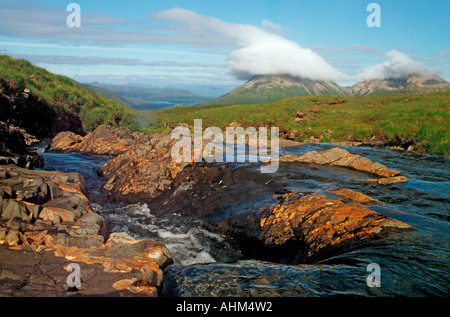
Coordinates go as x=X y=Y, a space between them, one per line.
x=342 y=158
x=27 y=273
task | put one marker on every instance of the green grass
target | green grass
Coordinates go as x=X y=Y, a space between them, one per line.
x=61 y=94
x=419 y=119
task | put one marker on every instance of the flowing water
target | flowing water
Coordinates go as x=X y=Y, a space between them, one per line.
x=412 y=263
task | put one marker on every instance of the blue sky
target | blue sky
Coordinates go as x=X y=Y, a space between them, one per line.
x=211 y=47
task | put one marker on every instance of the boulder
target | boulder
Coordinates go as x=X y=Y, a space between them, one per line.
x=57 y=203
x=343 y=158
x=145 y=171
x=104 y=140
x=319 y=226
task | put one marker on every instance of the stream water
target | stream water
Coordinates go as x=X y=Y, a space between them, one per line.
x=412 y=263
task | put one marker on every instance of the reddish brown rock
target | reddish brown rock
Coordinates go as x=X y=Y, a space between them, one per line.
x=343 y=158
x=138 y=264
x=142 y=166
x=34 y=202
x=145 y=170
x=319 y=225
x=50 y=212
x=105 y=140
x=355 y=197
x=66 y=141
x=392 y=180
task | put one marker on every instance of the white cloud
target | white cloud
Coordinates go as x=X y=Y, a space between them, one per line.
x=259 y=52
x=398 y=65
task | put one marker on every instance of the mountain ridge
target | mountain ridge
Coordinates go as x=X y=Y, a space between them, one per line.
x=268 y=88
x=414 y=83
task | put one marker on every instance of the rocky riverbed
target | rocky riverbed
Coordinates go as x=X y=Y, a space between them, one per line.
x=289 y=225
x=261 y=215
x=47 y=222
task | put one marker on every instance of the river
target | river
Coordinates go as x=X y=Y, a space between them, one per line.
x=412 y=263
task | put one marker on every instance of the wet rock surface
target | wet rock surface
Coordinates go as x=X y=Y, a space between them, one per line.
x=342 y=158
x=265 y=221
x=46 y=216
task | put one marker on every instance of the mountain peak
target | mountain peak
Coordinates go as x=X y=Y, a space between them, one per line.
x=269 y=88
x=420 y=83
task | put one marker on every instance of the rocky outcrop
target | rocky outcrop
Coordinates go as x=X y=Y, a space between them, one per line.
x=265 y=221
x=319 y=225
x=342 y=158
x=144 y=171
x=50 y=212
x=141 y=166
x=123 y=266
x=105 y=140
x=40 y=207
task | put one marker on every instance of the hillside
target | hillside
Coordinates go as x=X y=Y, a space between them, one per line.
x=415 y=121
x=45 y=104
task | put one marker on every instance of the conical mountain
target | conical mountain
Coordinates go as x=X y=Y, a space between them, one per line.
x=268 y=88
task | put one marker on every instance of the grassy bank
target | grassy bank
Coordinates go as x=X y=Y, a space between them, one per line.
x=63 y=95
x=396 y=119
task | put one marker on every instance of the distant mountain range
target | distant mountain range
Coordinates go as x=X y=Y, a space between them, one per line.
x=269 y=88
x=143 y=98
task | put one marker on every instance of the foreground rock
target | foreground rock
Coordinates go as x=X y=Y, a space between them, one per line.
x=14 y=143
x=315 y=226
x=144 y=171
x=45 y=213
x=342 y=158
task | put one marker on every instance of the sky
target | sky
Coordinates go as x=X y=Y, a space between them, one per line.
x=211 y=47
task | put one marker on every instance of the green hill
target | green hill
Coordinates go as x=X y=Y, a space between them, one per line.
x=54 y=103
x=417 y=120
